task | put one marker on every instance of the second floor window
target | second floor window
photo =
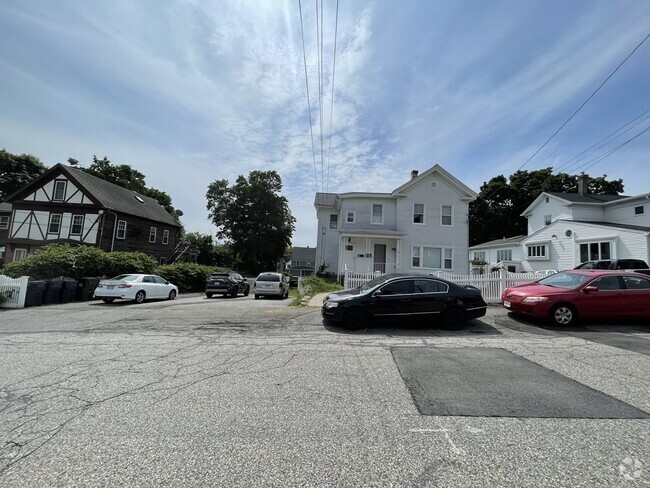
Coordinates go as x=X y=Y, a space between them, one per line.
x=377 y=214
x=4 y=222
x=640 y=210
x=547 y=219
x=59 y=190
x=334 y=221
x=55 y=224
x=121 y=229
x=77 y=225
x=152 y=234
x=418 y=213
x=165 y=239
x=446 y=215
x=350 y=217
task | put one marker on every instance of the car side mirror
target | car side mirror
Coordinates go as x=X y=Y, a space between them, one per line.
x=378 y=294
x=590 y=289
x=167 y=282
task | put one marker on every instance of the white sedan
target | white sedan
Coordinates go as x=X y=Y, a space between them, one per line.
x=136 y=287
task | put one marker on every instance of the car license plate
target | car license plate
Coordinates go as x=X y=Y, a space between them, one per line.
x=110 y=287
x=506 y=303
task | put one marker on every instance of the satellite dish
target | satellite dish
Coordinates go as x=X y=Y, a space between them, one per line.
x=179 y=212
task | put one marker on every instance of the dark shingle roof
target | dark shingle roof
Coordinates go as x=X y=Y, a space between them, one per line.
x=303 y=253
x=119 y=199
x=577 y=198
x=506 y=241
x=613 y=224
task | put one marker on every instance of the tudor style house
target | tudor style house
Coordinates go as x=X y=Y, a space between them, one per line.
x=566 y=229
x=65 y=205
x=420 y=227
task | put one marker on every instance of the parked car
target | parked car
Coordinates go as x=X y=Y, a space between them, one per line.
x=226 y=284
x=643 y=271
x=405 y=296
x=271 y=284
x=565 y=297
x=136 y=287
x=614 y=264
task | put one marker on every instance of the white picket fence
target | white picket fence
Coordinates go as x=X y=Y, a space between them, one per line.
x=490 y=284
x=13 y=291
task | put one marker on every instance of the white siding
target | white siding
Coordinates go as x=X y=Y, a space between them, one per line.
x=557 y=209
x=624 y=214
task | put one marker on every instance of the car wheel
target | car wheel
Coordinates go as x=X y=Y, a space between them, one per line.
x=172 y=295
x=355 y=318
x=564 y=315
x=233 y=293
x=257 y=297
x=140 y=296
x=108 y=300
x=209 y=295
x=247 y=291
x=453 y=319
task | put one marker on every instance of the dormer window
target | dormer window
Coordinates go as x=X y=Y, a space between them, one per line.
x=59 y=190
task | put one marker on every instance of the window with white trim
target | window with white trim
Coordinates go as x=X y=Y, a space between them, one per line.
x=639 y=210
x=418 y=213
x=77 y=225
x=446 y=213
x=377 y=214
x=547 y=219
x=19 y=254
x=431 y=257
x=59 y=190
x=165 y=239
x=54 y=225
x=537 y=251
x=152 y=234
x=350 y=217
x=121 y=229
x=334 y=221
x=504 y=255
x=479 y=255
x=4 y=221
x=592 y=251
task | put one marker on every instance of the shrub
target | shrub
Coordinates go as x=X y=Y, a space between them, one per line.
x=313 y=284
x=187 y=276
x=128 y=262
x=51 y=261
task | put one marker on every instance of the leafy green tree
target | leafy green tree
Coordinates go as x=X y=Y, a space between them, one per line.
x=496 y=213
x=253 y=218
x=16 y=170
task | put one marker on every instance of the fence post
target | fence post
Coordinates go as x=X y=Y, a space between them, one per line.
x=22 y=292
x=502 y=281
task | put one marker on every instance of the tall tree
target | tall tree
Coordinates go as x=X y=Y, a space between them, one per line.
x=253 y=217
x=496 y=213
x=17 y=170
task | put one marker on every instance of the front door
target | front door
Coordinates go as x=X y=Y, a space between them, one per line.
x=379 y=258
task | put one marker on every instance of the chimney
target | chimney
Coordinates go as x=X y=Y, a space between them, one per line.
x=583 y=184
x=414 y=173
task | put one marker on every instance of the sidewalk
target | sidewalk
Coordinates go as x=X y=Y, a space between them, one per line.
x=317 y=300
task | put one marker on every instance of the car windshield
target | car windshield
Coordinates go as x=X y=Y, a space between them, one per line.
x=564 y=280
x=374 y=283
x=126 y=277
x=268 y=277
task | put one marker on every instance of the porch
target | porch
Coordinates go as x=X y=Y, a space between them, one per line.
x=369 y=253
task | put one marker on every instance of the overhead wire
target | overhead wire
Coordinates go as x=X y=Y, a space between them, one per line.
x=598 y=159
x=329 y=150
x=311 y=130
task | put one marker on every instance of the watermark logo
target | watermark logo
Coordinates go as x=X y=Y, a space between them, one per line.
x=630 y=469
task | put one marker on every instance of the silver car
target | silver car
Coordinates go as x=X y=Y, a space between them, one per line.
x=271 y=284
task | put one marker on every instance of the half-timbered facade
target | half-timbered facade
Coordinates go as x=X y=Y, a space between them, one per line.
x=66 y=205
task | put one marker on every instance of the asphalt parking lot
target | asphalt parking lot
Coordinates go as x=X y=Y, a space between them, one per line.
x=245 y=392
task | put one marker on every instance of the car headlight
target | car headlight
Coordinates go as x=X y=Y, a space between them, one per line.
x=329 y=305
x=534 y=299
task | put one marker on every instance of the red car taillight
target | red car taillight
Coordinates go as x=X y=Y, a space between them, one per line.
x=124 y=285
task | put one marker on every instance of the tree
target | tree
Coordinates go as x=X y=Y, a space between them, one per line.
x=253 y=218
x=17 y=170
x=496 y=213
x=127 y=177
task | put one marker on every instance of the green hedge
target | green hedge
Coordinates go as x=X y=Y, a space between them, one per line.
x=188 y=277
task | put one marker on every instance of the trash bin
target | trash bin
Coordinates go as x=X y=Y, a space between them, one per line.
x=85 y=288
x=68 y=291
x=35 y=292
x=52 y=292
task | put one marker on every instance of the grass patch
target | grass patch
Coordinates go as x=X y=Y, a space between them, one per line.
x=312 y=285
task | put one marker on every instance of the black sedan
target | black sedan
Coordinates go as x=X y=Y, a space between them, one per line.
x=405 y=296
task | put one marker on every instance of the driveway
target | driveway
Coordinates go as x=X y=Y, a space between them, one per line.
x=244 y=392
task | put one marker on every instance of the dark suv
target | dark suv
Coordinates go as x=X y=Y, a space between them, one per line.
x=227 y=284
x=614 y=264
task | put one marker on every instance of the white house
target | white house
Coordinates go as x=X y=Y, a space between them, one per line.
x=506 y=253
x=421 y=226
x=565 y=229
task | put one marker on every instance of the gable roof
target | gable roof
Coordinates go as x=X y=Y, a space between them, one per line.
x=571 y=198
x=505 y=242
x=106 y=194
x=466 y=192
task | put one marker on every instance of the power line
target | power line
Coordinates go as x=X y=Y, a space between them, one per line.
x=329 y=150
x=311 y=130
x=612 y=151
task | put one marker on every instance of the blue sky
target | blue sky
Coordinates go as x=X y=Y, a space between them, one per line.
x=191 y=91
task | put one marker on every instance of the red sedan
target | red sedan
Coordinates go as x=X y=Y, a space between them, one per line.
x=565 y=297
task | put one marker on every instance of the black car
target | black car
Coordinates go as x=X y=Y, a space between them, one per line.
x=614 y=264
x=227 y=284
x=405 y=296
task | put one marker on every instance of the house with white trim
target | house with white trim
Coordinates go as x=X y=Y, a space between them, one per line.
x=566 y=229
x=420 y=227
